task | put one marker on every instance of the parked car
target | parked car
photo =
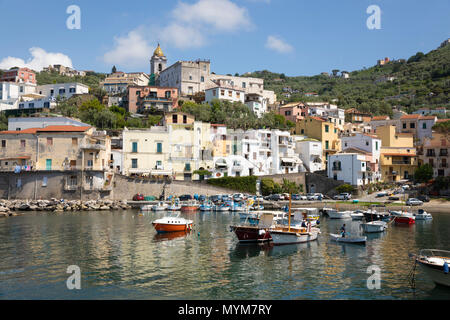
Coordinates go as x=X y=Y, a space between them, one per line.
x=275 y=197
x=424 y=198
x=394 y=198
x=296 y=197
x=285 y=196
x=314 y=196
x=185 y=197
x=382 y=194
x=413 y=202
x=258 y=198
x=343 y=196
x=405 y=187
x=138 y=197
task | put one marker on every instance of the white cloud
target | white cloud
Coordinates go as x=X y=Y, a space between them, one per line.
x=279 y=45
x=39 y=59
x=131 y=50
x=221 y=15
x=192 y=26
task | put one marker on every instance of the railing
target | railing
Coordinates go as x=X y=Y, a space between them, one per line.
x=443 y=165
x=431 y=154
x=443 y=154
x=92 y=146
x=401 y=162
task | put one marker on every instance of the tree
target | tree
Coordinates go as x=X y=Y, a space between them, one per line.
x=424 y=173
x=113 y=70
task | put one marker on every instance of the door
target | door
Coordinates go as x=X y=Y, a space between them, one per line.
x=48 y=164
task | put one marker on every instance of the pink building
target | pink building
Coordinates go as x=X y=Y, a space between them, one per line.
x=294 y=111
x=144 y=98
x=19 y=75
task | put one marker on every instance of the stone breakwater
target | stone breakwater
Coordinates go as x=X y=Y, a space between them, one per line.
x=11 y=207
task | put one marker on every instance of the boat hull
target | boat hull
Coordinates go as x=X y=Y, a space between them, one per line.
x=373 y=227
x=284 y=237
x=189 y=208
x=339 y=215
x=251 y=234
x=340 y=239
x=436 y=273
x=163 y=227
x=404 y=220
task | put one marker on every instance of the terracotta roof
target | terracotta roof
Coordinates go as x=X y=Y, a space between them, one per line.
x=380 y=118
x=399 y=154
x=370 y=135
x=63 y=129
x=318 y=119
x=16 y=158
x=427 y=118
x=355 y=150
x=25 y=131
x=410 y=116
x=442 y=120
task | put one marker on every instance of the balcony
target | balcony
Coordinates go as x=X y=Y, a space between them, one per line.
x=443 y=165
x=443 y=153
x=408 y=162
x=92 y=146
x=70 y=187
x=237 y=166
x=431 y=153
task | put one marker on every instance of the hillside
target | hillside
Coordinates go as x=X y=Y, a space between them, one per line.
x=91 y=79
x=421 y=80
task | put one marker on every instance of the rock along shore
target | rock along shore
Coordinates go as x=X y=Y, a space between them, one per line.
x=10 y=207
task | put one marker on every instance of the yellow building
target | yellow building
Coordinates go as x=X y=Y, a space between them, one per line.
x=57 y=148
x=398 y=155
x=322 y=130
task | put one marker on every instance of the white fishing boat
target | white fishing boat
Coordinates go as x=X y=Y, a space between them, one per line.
x=161 y=206
x=423 y=215
x=357 y=215
x=436 y=265
x=347 y=239
x=175 y=206
x=147 y=207
x=221 y=208
x=326 y=210
x=334 y=214
x=374 y=226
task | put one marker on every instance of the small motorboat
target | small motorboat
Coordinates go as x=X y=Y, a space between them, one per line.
x=161 y=206
x=175 y=206
x=373 y=215
x=405 y=218
x=237 y=208
x=172 y=224
x=252 y=232
x=374 y=226
x=190 y=206
x=205 y=207
x=147 y=207
x=348 y=239
x=256 y=207
x=423 y=215
x=357 y=215
x=334 y=214
x=222 y=207
x=436 y=265
x=286 y=235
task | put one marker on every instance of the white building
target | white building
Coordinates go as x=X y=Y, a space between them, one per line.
x=34 y=101
x=424 y=127
x=118 y=82
x=348 y=167
x=427 y=111
x=257 y=103
x=223 y=92
x=63 y=90
x=310 y=152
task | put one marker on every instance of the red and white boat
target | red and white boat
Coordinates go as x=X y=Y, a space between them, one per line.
x=254 y=233
x=190 y=206
x=172 y=224
x=405 y=218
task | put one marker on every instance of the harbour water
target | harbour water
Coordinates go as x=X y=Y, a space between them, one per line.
x=121 y=257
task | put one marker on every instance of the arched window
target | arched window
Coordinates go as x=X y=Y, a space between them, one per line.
x=160 y=67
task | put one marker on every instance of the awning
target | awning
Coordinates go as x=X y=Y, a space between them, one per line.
x=221 y=163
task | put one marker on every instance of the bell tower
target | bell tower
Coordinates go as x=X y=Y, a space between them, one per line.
x=157 y=62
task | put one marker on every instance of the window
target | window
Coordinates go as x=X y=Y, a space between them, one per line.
x=376 y=145
x=62 y=91
x=46 y=104
x=174 y=118
x=230 y=93
x=190 y=77
x=302 y=131
x=159 y=67
x=159 y=147
x=187 y=167
x=404 y=126
x=214 y=92
x=31 y=105
x=21 y=105
x=168 y=94
x=48 y=164
x=22 y=143
x=222 y=92
x=90 y=163
x=243 y=84
x=238 y=95
x=49 y=141
x=52 y=92
x=367 y=143
x=202 y=79
x=326 y=128
x=158 y=164
x=184 y=119
x=21 y=88
x=134 y=163
x=326 y=144
x=134 y=147
x=74 y=141
x=72 y=90
x=3 y=143
x=412 y=125
x=424 y=125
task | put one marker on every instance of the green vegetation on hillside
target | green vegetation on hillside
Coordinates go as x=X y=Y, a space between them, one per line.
x=235 y=115
x=421 y=81
x=92 y=79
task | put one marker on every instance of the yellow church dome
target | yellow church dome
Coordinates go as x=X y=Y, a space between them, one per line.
x=158 y=52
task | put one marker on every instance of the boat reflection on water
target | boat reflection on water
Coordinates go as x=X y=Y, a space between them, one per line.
x=245 y=250
x=272 y=250
x=375 y=236
x=170 y=235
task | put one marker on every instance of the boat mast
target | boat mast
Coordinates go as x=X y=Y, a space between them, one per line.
x=289 y=219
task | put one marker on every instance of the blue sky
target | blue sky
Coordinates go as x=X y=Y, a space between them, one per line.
x=295 y=37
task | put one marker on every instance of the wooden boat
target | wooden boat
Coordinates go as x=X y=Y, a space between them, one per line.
x=373 y=215
x=287 y=235
x=436 y=264
x=339 y=238
x=423 y=215
x=334 y=214
x=374 y=226
x=172 y=224
x=249 y=232
x=189 y=206
x=357 y=215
